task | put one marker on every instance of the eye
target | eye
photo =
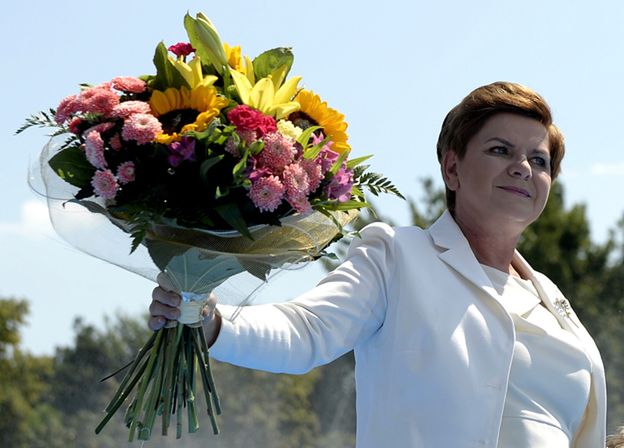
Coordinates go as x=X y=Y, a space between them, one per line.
x=540 y=161
x=501 y=150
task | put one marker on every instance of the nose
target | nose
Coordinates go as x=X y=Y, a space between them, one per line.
x=520 y=168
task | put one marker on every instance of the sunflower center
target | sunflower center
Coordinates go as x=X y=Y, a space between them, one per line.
x=302 y=120
x=174 y=121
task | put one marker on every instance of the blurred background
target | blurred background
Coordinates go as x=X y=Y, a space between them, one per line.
x=67 y=319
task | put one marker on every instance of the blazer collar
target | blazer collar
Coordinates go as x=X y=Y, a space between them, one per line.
x=458 y=254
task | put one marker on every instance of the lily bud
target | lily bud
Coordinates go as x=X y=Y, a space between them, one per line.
x=206 y=41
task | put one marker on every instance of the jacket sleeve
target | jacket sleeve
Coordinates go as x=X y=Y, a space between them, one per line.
x=342 y=311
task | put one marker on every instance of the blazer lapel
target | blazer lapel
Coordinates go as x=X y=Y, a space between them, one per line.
x=446 y=234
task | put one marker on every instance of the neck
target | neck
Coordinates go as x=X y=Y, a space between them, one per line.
x=492 y=245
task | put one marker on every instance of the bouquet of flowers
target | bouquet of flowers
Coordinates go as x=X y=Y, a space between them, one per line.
x=215 y=165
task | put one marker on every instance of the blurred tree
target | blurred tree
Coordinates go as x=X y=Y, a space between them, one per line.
x=26 y=420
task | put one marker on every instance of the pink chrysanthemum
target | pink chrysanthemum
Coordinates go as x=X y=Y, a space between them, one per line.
x=296 y=180
x=127 y=108
x=126 y=173
x=300 y=204
x=115 y=142
x=105 y=184
x=101 y=127
x=94 y=149
x=128 y=84
x=142 y=128
x=98 y=100
x=267 y=193
x=245 y=136
x=68 y=106
x=314 y=172
x=278 y=151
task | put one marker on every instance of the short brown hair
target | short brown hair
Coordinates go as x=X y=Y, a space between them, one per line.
x=467 y=118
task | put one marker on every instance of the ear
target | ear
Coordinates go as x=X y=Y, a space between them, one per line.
x=449 y=169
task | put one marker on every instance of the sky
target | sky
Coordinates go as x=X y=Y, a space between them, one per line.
x=393 y=71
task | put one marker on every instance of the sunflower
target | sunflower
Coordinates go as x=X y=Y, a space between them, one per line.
x=184 y=110
x=316 y=112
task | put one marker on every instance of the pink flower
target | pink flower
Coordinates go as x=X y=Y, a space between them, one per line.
x=267 y=193
x=68 y=106
x=278 y=151
x=129 y=84
x=314 y=172
x=340 y=185
x=296 y=181
x=232 y=145
x=125 y=172
x=181 y=49
x=104 y=184
x=300 y=204
x=181 y=151
x=94 y=149
x=115 y=142
x=102 y=127
x=142 y=128
x=98 y=100
x=247 y=118
x=127 y=108
x=74 y=125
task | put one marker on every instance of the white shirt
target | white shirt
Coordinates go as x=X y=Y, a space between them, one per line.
x=550 y=377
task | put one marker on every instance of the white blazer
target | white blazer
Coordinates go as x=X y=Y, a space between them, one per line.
x=433 y=345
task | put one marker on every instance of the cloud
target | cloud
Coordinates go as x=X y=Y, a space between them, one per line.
x=33 y=222
x=607 y=169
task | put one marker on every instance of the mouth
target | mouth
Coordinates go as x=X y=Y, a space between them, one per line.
x=516 y=190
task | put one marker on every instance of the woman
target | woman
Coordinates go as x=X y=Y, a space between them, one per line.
x=458 y=341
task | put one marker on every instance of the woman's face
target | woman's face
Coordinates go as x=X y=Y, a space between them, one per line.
x=504 y=177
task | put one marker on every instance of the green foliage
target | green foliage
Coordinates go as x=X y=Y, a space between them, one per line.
x=71 y=165
x=166 y=73
x=375 y=183
x=44 y=119
x=270 y=61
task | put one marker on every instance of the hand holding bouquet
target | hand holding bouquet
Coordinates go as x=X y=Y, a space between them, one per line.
x=215 y=165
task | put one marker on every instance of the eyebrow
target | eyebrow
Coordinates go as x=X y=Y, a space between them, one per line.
x=511 y=145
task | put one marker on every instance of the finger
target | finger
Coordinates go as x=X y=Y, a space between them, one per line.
x=156 y=322
x=210 y=305
x=166 y=297
x=158 y=309
x=165 y=282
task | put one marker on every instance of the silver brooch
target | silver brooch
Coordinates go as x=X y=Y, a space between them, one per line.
x=563 y=307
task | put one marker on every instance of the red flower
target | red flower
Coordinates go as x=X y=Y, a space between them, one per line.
x=181 y=49
x=249 y=119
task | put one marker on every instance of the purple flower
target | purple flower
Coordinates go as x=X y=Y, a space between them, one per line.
x=340 y=185
x=181 y=151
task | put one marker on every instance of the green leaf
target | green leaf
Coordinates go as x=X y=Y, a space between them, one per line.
x=269 y=61
x=43 y=120
x=166 y=73
x=207 y=164
x=305 y=136
x=376 y=183
x=348 y=205
x=241 y=166
x=355 y=162
x=72 y=166
x=338 y=163
x=233 y=216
